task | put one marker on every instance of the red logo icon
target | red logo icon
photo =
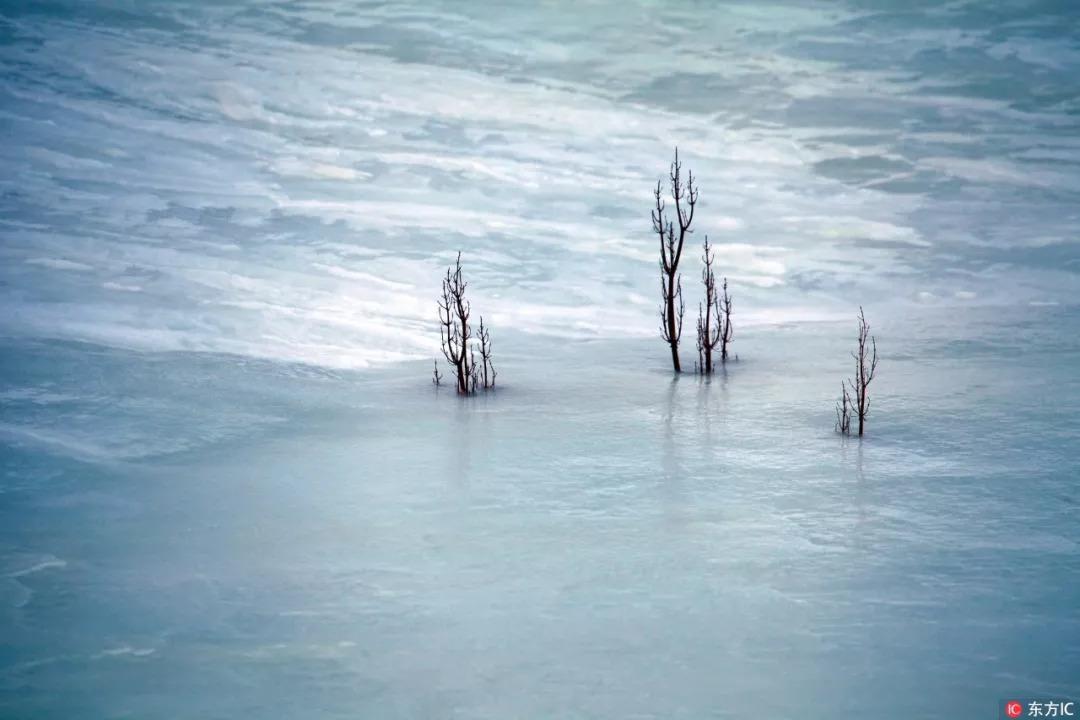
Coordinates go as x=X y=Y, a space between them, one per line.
x=1014 y=709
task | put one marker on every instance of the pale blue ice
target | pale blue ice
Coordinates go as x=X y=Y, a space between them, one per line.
x=229 y=490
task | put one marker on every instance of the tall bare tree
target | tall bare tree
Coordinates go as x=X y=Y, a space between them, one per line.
x=710 y=320
x=684 y=196
x=866 y=360
x=454 y=330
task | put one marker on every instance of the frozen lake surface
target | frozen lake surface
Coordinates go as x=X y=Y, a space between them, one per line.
x=228 y=489
x=201 y=536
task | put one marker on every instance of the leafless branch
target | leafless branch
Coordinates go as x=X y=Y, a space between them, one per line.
x=843 y=411
x=727 y=331
x=487 y=374
x=710 y=320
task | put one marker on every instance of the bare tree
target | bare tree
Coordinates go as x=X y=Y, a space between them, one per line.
x=684 y=196
x=454 y=328
x=866 y=360
x=487 y=369
x=436 y=377
x=843 y=411
x=710 y=321
x=727 y=331
x=455 y=334
x=474 y=370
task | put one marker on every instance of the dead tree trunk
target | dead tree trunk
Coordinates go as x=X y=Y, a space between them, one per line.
x=727 y=330
x=671 y=246
x=866 y=360
x=710 y=320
